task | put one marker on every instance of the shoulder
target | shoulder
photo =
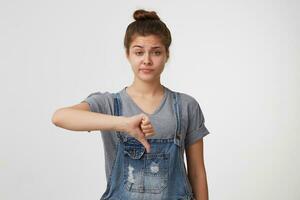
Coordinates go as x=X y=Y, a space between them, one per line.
x=100 y=94
x=100 y=101
x=187 y=100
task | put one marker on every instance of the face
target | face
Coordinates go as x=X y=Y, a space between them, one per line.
x=147 y=56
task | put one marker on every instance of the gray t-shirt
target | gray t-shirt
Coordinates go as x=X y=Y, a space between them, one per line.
x=192 y=119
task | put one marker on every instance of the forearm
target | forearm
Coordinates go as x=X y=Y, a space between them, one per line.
x=81 y=120
x=199 y=185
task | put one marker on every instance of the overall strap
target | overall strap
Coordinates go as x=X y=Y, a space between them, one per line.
x=178 y=138
x=118 y=112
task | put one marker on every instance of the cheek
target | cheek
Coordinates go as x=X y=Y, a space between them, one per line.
x=135 y=64
x=160 y=61
x=134 y=61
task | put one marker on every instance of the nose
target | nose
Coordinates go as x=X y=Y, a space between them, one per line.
x=147 y=59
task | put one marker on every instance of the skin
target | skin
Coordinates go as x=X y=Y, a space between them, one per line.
x=196 y=170
x=145 y=52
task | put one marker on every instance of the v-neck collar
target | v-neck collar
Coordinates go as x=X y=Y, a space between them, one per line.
x=156 y=110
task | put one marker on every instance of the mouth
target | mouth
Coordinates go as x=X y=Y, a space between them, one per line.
x=144 y=70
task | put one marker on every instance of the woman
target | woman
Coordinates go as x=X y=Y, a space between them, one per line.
x=145 y=127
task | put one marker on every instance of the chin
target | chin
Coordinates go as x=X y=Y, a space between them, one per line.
x=147 y=79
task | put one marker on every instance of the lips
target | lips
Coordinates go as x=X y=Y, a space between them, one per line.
x=146 y=70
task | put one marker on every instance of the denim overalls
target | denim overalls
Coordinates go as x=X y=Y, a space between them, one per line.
x=158 y=175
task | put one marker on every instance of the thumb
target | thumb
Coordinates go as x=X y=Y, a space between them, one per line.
x=144 y=142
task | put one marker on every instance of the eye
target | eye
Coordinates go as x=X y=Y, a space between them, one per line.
x=157 y=53
x=138 y=53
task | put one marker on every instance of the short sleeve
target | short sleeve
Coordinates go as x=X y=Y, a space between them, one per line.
x=196 y=124
x=98 y=102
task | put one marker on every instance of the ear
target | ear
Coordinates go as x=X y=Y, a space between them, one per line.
x=167 y=57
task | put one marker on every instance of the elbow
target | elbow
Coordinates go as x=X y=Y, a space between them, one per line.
x=56 y=117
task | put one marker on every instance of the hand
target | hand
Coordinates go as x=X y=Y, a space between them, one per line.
x=139 y=126
x=147 y=127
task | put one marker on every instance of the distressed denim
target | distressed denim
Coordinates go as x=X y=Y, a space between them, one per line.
x=158 y=175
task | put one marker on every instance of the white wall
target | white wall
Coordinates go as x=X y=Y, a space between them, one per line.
x=239 y=59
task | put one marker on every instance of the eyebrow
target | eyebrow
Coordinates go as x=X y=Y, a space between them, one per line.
x=155 y=47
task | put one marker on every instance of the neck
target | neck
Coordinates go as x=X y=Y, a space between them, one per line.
x=144 y=89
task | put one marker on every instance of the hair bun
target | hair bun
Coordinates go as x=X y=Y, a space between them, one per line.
x=145 y=15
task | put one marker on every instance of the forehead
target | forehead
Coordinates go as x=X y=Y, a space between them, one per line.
x=150 y=41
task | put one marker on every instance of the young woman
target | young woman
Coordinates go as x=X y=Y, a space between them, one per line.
x=146 y=127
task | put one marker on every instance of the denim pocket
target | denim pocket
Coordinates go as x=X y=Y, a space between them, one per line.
x=145 y=173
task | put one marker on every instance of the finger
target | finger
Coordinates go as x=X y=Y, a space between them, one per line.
x=146 y=123
x=149 y=134
x=149 y=126
x=145 y=119
x=148 y=131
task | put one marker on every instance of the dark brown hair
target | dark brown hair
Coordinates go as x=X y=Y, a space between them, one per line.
x=147 y=23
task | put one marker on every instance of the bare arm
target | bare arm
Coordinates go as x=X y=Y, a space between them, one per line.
x=196 y=170
x=80 y=118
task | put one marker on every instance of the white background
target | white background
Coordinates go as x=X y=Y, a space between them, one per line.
x=239 y=59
